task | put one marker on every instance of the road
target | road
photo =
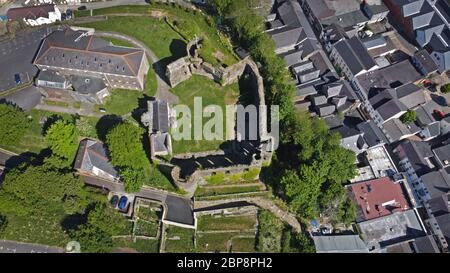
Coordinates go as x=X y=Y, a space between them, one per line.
x=19 y=247
x=178 y=209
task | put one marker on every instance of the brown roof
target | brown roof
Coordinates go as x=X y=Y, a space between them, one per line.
x=30 y=12
x=378 y=197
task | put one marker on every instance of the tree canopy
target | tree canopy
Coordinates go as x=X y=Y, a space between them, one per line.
x=409 y=117
x=127 y=154
x=44 y=188
x=13 y=124
x=103 y=222
x=62 y=138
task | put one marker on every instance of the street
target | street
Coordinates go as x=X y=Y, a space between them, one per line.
x=19 y=247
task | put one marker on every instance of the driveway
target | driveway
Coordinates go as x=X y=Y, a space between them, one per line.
x=19 y=247
x=26 y=98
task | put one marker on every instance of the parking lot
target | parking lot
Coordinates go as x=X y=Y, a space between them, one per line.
x=16 y=57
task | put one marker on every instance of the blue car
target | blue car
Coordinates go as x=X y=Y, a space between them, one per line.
x=17 y=79
x=123 y=202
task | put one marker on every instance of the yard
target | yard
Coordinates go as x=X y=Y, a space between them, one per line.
x=179 y=240
x=224 y=179
x=216 y=49
x=211 y=94
x=140 y=245
x=146 y=228
x=214 y=223
x=224 y=242
x=212 y=191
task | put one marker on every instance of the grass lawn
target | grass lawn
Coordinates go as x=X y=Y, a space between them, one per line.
x=119 y=42
x=217 y=242
x=33 y=140
x=179 y=240
x=244 y=177
x=211 y=93
x=122 y=102
x=56 y=103
x=216 y=49
x=242 y=222
x=244 y=244
x=155 y=34
x=210 y=191
x=151 y=85
x=141 y=245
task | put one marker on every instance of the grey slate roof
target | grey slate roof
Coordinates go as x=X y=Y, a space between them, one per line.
x=397 y=130
x=355 y=55
x=437 y=183
x=442 y=154
x=423 y=57
x=444 y=225
x=387 y=78
x=92 y=154
x=64 y=49
x=325 y=109
x=51 y=76
x=159 y=111
x=340 y=244
x=416 y=151
x=87 y=85
x=372 y=134
x=426 y=244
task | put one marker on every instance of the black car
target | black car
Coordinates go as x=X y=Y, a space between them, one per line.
x=114 y=200
x=82 y=8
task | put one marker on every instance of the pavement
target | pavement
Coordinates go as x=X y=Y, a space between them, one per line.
x=16 y=57
x=19 y=247
x=27 y=98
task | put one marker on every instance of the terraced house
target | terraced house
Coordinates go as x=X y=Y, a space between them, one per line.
x=77 y=53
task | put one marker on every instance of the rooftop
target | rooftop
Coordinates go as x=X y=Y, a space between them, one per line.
x=377 y=198
x=340 y=244
x=391 y=229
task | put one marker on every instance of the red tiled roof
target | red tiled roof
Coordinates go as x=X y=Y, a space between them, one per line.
x=378 y=197
x=33 y=12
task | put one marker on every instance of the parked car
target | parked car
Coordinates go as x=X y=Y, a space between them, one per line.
x=17 y=79
x=114 y=200
x=123 y=203
x=69 y=13
x=82 y=8
x=439 y=113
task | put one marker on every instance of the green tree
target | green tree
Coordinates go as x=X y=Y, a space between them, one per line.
x=95 y=236
x=63 y=139
x=127 y=154
x=43 y=188
x=409 y=117
x=13 y=124
x=269 y=232
x=125 y=146
x=3 y=223
x=445 y=88
x=132 y=178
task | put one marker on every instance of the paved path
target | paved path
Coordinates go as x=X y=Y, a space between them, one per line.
x=163 y=91
x=19 y=247
x=72 y=111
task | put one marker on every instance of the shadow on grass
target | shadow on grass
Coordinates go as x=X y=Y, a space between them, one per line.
x=178 y=50
x=105 y=124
